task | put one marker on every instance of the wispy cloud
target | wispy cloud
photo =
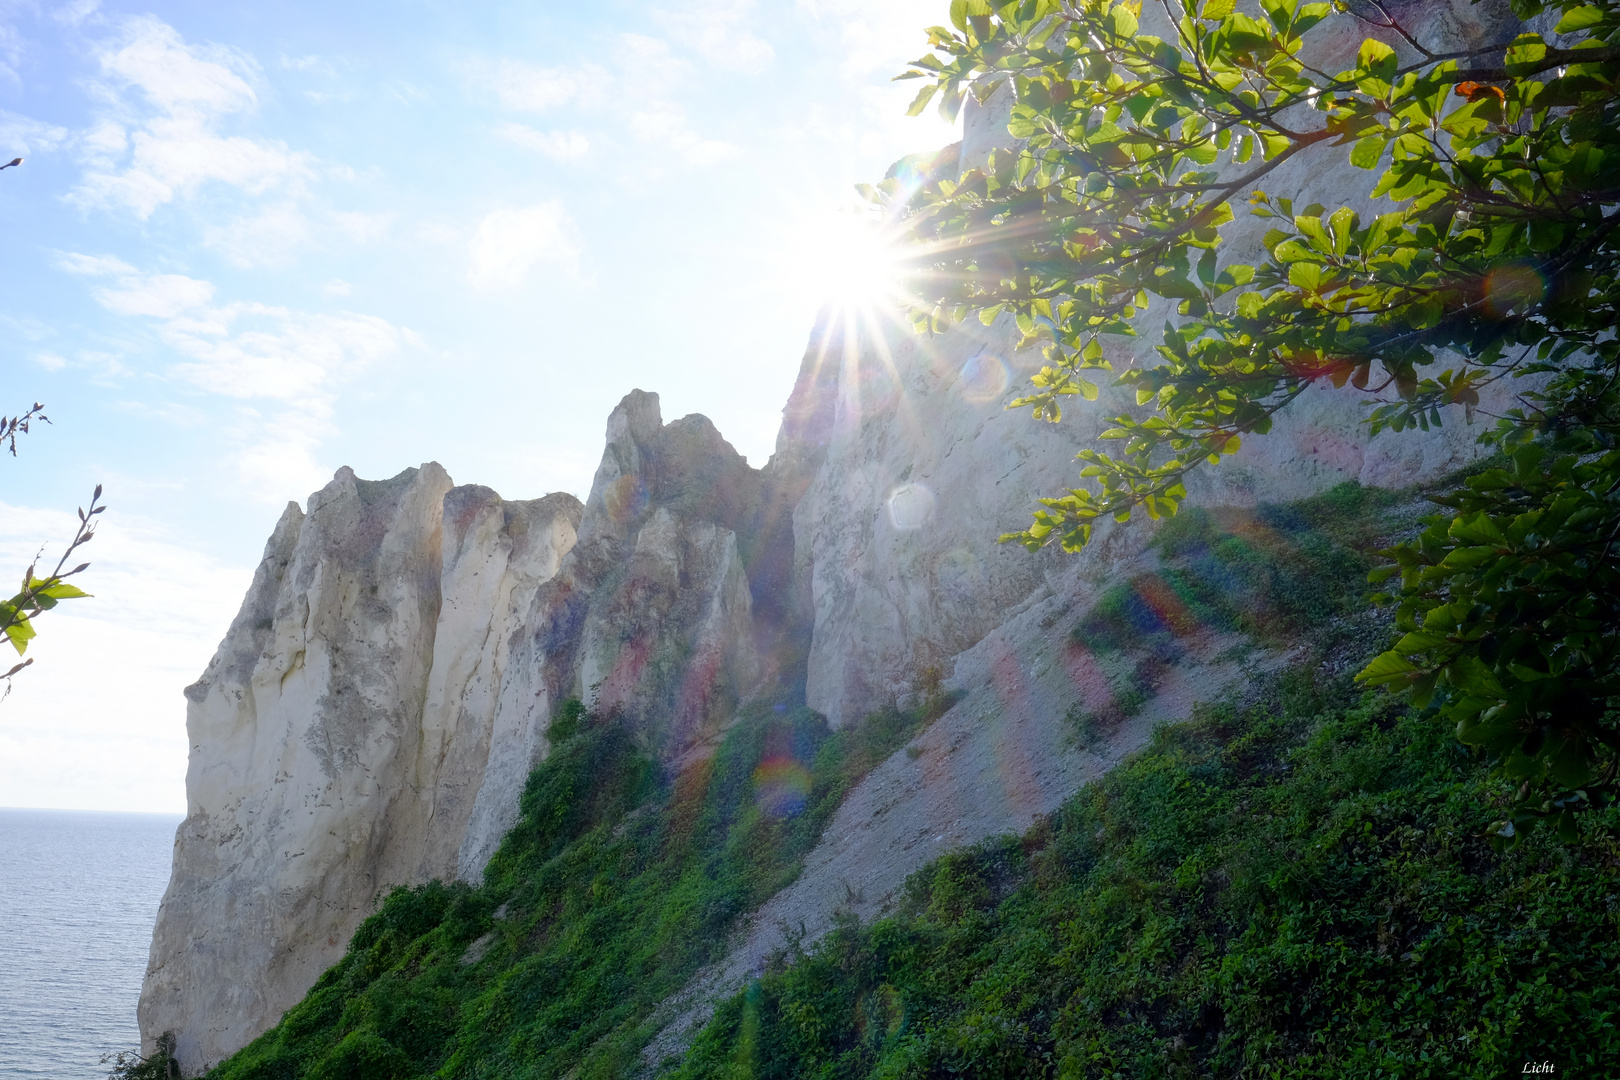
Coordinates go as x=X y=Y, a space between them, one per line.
x=21 y=136
x=719 y=33
x=161 y=296
x=291 y=361
x=647 y=71
x=75 y=263
x=877 y=37
x=527 y=88
x=557 y=145
x=270 y=237
x=652 y=67
x=509 y=243
x=75 y=11
x=667 y=128
x=159 y=139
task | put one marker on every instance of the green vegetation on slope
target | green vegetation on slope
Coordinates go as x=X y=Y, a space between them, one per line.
x=1296 y=888
x=613 y=889
x=1279 y=573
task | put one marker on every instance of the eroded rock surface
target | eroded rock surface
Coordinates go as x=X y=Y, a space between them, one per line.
x=376 y=707
x=651 y=613
x=301 y=731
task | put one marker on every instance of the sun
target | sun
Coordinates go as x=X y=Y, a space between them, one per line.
x=851 y=259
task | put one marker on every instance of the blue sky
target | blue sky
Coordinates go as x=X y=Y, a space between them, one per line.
x=252 y=243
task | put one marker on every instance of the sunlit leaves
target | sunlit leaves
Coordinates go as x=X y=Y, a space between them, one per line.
x=1145 y=131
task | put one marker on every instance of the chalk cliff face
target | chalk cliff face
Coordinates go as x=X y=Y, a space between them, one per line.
x=338 y=738
x=374 y=710
x=377 y=705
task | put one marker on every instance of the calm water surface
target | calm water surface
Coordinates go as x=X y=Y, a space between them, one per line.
x=78 y=894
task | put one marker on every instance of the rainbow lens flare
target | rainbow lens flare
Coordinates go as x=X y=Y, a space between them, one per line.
x=781 y=786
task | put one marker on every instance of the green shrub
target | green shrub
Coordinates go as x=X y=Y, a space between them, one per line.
x=1277 y=573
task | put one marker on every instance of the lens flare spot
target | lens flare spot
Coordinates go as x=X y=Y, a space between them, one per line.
x=781 y=786
x=1513 y=287
x=983 y=379
x=910 y=506
x=624 y=499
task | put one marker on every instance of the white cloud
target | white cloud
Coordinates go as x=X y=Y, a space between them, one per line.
x=316 y=64
x=360 y=227
x=877 y=39
x=50 y=361
x=337 y=287
x=665 y=126
x=253 y=351
x=717 y=32
x=75 y=263
x=11 y=48
x=104 y=139
x=162 y=296
x=278 y=453
x=76 y=11
x=558 y=145
x=245 y=350
x=510 y=243
x=105 y=368
x=527 y=88
x=21 y=136
x=651 y=66
x=144 y=163
x=268 y=238
x=173 y=157
x=646 y=70
x=178 y=77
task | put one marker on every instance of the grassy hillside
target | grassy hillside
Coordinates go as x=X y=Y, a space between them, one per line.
x=1298 y=888
x=1291 y=884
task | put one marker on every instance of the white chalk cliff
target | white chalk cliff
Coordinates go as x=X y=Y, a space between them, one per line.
x=375 y=708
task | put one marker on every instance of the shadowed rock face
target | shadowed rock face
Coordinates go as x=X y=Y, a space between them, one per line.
x=651 y=613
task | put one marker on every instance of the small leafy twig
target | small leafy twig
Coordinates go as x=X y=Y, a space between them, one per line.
x=12 y=426
x=40 y=594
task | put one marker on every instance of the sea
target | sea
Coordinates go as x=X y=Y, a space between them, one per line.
x=78 y=894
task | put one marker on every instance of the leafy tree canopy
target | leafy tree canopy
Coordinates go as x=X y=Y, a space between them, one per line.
x=1143 y=135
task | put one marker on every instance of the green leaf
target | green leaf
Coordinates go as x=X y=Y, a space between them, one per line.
x=1385 y=668
x=1578 y=19
x=21 y=633
x=1124 y=19
x=924 y=96
x=1365 y=154
x=1373 y=53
